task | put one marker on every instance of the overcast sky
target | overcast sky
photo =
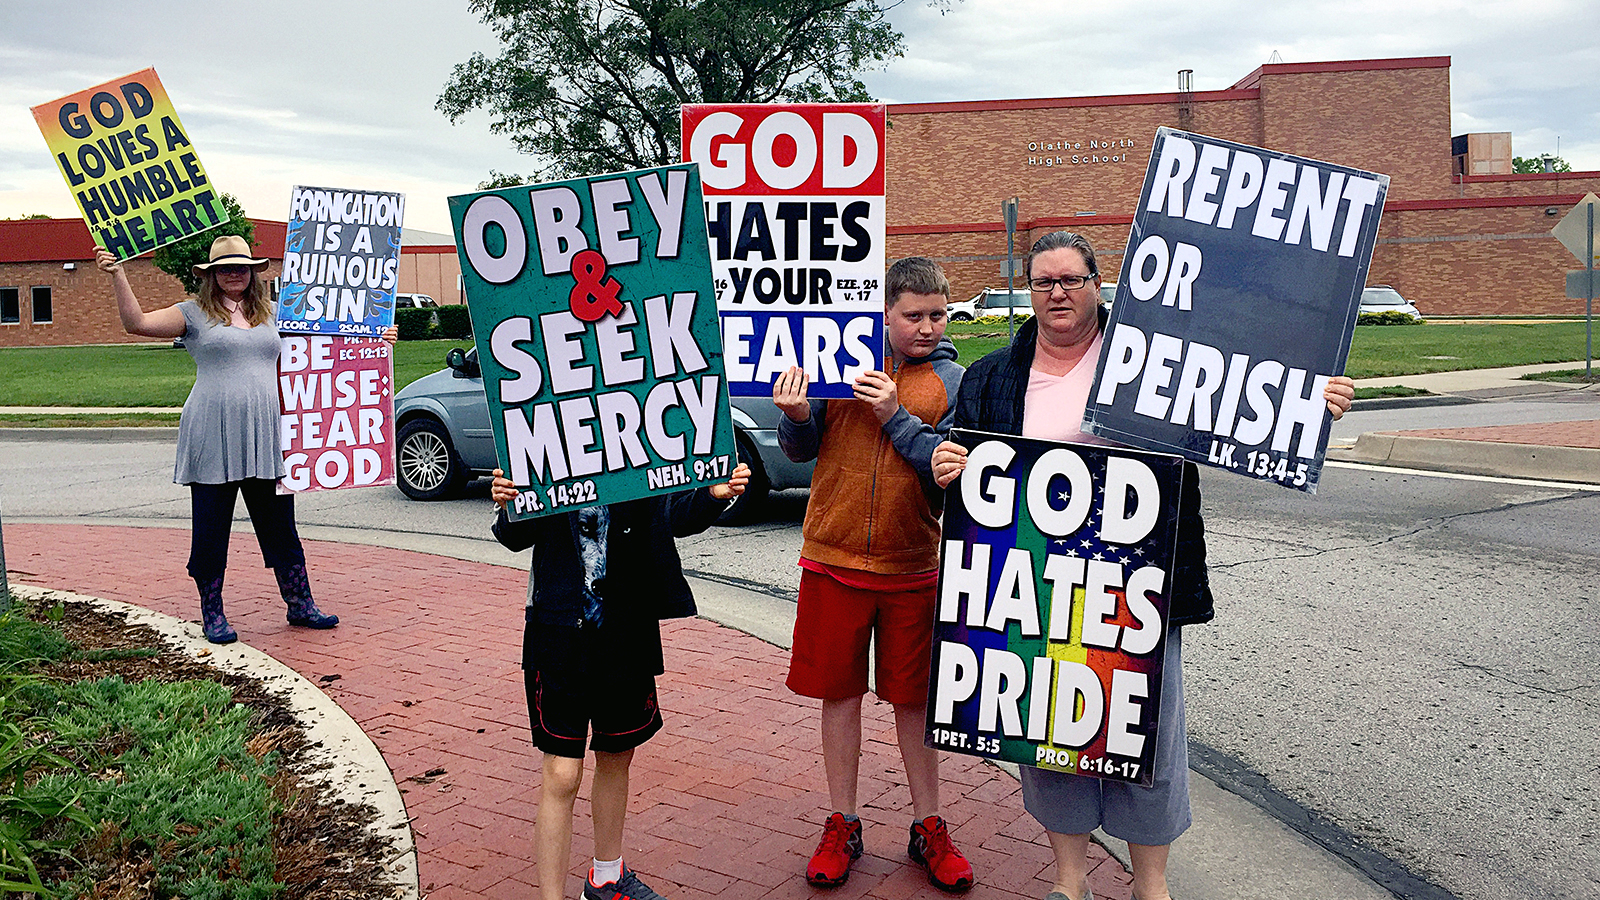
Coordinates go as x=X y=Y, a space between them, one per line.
x=337 y=93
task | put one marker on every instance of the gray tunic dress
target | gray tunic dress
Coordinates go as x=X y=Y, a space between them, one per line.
x=229 y=429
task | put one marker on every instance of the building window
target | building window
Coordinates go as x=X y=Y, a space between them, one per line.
x=42 y=314
x=10 y=307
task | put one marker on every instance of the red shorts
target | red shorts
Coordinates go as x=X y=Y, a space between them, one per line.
x=833 y=626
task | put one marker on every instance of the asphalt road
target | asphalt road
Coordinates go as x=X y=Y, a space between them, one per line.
x=1402 y=661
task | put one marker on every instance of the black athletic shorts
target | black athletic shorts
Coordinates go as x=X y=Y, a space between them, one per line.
x=575 y=685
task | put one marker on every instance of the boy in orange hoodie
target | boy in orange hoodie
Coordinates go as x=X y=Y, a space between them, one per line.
x=870 y=562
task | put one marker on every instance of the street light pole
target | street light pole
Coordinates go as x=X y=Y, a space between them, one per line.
x=1588 y=305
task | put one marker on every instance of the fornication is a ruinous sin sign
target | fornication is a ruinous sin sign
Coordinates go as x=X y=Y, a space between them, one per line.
x=129 y=164
x=341 y=259
x=1054 y=587
x=795 y=206
x=1236 y=303
x=596 y=328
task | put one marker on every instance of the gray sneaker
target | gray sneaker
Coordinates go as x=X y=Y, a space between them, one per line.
x=628 y=887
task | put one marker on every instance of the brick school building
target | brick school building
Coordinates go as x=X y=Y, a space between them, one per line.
x=52 y=295
x=1460 y=234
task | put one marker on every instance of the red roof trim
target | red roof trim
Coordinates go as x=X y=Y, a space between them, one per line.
x=1562 y=200
x=67 y=240
x=1068 y=102
x=983 y=227
x=1345 y=65
x=1485 y=202
x=1524 y=176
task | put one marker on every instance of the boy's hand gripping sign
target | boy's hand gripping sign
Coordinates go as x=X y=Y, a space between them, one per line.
x=795 y=208
x=1054 y=585
x=596 y=328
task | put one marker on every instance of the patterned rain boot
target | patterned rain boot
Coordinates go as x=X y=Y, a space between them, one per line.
x=296 y=591
x=212 y=621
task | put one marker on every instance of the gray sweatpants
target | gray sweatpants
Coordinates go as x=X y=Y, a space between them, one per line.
x=1077 y=804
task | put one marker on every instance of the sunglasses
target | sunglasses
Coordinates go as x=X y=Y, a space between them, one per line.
x=231 y=270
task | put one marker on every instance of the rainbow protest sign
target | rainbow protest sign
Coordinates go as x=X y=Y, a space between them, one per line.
x=1054 y=587
x=130 y=165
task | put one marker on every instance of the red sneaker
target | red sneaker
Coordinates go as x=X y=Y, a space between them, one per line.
x=931 y=846
x=840 y=846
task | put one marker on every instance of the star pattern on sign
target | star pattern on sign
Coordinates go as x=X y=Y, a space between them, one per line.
x=1086 y=542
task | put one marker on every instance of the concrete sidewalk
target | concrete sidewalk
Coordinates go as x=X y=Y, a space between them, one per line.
x=1565 y=447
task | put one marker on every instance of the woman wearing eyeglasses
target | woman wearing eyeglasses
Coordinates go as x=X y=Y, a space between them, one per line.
x=1038 y=387
x=228 y=435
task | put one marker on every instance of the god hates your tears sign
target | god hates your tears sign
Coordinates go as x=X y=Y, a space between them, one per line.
x=336 y=405
x=795 y=208
x=1236 y=302
x=1054 y=582
x=596 y=329
x=130 y=165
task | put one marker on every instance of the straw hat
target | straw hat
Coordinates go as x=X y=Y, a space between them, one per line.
x=229 y=250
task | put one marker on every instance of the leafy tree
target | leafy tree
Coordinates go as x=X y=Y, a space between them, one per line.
x=179 y=258
x=497 y=180
x=594 y=85
x=1532 y=165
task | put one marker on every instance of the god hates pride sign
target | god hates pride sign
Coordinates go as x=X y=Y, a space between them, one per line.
x=795 y=208
x=1054 y=580
x=341 y=259
x=1236 y=303
x=596 y=328
x=130 y=165
x=336 y=404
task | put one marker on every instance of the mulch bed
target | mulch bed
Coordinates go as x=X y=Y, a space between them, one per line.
x=323 y=848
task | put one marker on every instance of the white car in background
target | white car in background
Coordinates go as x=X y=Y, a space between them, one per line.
x=1381 y=298
x=992 y=302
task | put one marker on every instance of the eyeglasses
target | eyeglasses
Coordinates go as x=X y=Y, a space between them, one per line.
x=1067 y=282
x=232 y=270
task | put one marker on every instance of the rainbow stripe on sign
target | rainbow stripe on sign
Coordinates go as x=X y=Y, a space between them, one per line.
x=130 y=165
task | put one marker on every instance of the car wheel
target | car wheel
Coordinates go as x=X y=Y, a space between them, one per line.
x=747 y=506
x=426 y=466
x=960 y=317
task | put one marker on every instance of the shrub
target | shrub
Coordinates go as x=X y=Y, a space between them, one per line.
x=1392 y=317
x=414 y=324
x=454 y=322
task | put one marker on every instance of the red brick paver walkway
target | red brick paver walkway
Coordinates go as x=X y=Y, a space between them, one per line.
x=1542 y=434
x=728 y=799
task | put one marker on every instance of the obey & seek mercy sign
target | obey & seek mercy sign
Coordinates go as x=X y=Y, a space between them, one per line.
x=596 y=329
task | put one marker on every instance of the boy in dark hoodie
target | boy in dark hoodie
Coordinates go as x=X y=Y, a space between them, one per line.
x=871 y=559
x=601 y=580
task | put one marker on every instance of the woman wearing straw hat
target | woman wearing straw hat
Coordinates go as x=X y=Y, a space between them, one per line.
x=228 y=435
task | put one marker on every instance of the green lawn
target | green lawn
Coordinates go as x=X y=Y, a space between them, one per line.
x=1379 y=351
x=144 y=374
x=152 y=375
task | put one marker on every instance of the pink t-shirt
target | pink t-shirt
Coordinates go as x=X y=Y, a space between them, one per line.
x=1053 y=410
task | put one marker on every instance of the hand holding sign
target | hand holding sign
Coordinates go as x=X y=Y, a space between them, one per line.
x=789 y=394
x=878 y=391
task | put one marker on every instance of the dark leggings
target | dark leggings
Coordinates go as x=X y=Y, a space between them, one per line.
x=271 y=514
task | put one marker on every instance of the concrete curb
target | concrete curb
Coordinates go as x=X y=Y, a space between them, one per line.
x=352 y=769
x=1545 y=463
